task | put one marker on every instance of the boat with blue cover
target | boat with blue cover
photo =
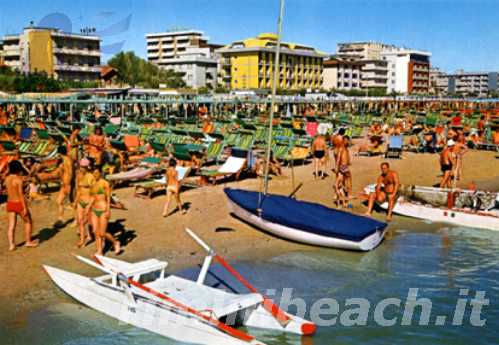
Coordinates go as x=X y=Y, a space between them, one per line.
x=306 y=222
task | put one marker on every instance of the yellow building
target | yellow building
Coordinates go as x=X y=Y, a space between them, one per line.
x=65 y=56
x=248 y=64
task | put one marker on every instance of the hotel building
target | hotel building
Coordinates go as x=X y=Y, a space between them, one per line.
x=472 y=83
x=249 y=64
x=342 y=74
x=187 y=52
x=65 y=56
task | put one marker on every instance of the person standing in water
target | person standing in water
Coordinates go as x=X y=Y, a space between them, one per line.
x=100 y=212
x=387 y=188
x=319 y=151
x=66 y=177
x=172 y=187
x=17 y=206
x=84 y=182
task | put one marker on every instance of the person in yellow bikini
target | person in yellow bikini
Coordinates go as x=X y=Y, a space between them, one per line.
x=100 y=212
x=84 y=182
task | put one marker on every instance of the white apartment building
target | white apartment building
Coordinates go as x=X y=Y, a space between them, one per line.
x=439 y=82
x=65 y=56
x=339 y=74
x=408 y=70
x=472 y=83
x=187 y=52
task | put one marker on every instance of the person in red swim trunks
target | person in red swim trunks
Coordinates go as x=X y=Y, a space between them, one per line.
x=16 y=206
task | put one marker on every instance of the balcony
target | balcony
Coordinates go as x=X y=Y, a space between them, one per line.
x=76 y=51
x=77 y=68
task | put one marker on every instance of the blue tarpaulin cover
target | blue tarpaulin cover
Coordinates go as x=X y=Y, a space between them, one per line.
x=307 y=216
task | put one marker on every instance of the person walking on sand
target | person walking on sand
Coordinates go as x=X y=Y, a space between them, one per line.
x=343 y=184
x=100 y=212
x=66 y=177
x=447 y=164
x=172 y=187
x=319 y=151
x=387 y=187
x=84 y=182
x=17 y=206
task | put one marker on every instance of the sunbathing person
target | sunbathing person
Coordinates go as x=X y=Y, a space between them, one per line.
x=84 y=182
x=387 y=188
x=17 y=206
x=100 y=212
x=172 y=187
x=447 y=164
x=319 y=151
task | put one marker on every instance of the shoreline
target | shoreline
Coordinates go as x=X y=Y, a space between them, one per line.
x=146 y=234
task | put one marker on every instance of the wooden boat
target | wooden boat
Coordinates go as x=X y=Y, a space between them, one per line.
x=306 y=222
x=468 y=208
x=143 y=295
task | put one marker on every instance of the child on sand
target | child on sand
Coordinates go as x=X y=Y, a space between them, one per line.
x=172 y=187
x=16 y=205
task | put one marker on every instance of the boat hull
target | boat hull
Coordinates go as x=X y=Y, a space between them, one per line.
x=368 y=243
x=143 y=313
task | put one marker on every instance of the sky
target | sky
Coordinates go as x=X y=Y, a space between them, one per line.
x=460 y=34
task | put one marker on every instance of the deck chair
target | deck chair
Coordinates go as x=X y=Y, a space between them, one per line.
x=233 y=166
x=148 y=188
x=132 y=142
x=214 y=152
x=394 y=148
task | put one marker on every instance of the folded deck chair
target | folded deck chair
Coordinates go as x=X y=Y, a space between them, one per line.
x=233 y=166
x=148 y=188
x=394 y=149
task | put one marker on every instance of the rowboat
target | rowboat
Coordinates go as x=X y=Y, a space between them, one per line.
x=474 y=209
x=143 y=295
x=305 y=222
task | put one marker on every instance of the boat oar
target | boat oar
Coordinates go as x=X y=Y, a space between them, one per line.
x=220 y=325
x=276 y=312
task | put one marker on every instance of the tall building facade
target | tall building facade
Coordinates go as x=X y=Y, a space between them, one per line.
x=340 y=74
x=187 y=52
x=472 y=83
x=65 y=56
x=249 y=64
x=408 y=70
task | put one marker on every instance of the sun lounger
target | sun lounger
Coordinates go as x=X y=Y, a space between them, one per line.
x=131 y=175
x=148 y=188
x=233 y=166
x=394 y=149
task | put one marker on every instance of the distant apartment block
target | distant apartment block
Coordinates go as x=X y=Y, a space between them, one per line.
x=408 y=70
x=472 y=83
x=439 y=82
x=340 y=74
x=65 y=56
x=187 y=52
x=248 y=64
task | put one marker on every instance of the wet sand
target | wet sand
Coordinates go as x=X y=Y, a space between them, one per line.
x=146 y=234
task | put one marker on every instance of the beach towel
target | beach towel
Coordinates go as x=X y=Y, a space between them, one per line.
x=134 y=174
x=311 y=128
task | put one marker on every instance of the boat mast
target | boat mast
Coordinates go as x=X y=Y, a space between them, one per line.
x=272 y=102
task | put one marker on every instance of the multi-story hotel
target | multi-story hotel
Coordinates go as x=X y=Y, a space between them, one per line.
x=248 y=64
x=187 y=52
x=340 y=74
x=408 y=70
x=65 y=56
x=361 y=50
x=472 y=83
x=439 y=82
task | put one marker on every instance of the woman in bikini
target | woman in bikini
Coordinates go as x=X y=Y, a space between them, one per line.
x=17 y=206
x=99 y=208
x=97 y=143
x=172 y=187
x=84 y=182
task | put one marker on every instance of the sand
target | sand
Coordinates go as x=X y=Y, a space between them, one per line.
x=146 y=234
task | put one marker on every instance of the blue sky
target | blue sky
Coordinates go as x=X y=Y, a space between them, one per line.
x=459 y=34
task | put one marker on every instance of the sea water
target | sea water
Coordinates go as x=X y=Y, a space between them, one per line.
x=439 y=264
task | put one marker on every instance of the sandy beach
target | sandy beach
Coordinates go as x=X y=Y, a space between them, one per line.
x=145 y=233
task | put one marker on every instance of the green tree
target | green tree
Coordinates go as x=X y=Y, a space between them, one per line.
x=135 y=71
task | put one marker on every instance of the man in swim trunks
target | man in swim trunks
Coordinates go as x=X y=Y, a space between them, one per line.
x=447 y=164
x=172 y=187
x=16 y=205
x=66 y=177
x=319 y=151
x=387 y=187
